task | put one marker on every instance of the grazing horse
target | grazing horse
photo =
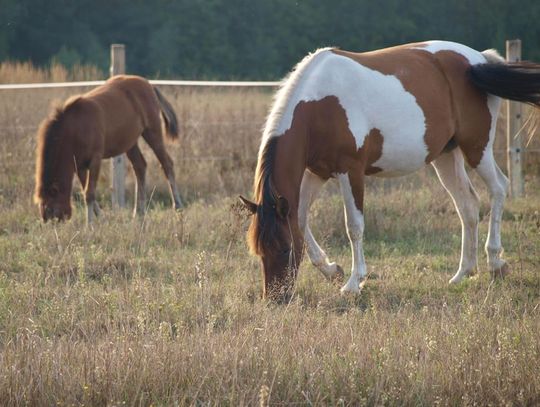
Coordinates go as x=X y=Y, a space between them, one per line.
x=102 y=123
x=387 y=113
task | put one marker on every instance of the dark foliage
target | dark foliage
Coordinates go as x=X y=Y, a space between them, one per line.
x=241 y=39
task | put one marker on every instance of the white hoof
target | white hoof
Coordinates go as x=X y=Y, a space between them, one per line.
x=458 y=277
x=353 y=286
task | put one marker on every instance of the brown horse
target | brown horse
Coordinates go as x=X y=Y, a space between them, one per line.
x=102 y=123
x=385 y=113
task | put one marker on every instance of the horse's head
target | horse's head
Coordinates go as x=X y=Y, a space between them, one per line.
x=54 y=203
x=274 y=236
x=54 y=169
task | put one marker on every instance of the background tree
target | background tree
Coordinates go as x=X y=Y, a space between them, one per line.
x=247 y=39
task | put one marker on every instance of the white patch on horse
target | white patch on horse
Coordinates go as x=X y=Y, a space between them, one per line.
x=474 y=57
x=370 y=99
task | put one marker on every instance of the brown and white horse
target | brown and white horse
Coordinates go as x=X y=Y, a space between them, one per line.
x=387 y=113
x=102 y=123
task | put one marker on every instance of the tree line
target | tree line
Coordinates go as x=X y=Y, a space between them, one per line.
x=248 y=39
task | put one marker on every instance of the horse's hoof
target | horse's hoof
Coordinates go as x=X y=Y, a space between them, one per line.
x=455 y=280
x=500 y=272
x=338 y=276
x=352 y=289
x=460 y=276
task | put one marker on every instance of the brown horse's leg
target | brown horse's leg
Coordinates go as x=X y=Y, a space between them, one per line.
x=156 y=144
x=92 y=208
x=82 y=174
x=450 y=168
x=139 y=167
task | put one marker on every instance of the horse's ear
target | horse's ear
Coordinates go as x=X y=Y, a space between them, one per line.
x=282 y=207
x=250 y=206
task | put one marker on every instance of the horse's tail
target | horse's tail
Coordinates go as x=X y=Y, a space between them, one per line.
x=169 y=116
x=519 y=81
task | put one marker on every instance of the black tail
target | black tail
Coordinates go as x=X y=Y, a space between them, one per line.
x=169 y=116
x=519 y=81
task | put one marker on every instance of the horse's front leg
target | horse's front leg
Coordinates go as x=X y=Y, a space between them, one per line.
x=309 y=189
x=352 y=189
x=92 y=208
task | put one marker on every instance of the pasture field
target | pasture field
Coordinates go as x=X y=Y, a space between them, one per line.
x=167 y=311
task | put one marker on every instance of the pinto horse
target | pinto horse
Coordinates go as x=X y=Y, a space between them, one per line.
x=386 y=113
x=102 y=123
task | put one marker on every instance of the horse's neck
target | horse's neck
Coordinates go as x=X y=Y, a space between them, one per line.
x=65 y=166
x=290 y=164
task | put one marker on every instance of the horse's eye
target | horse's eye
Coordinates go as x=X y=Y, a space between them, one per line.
x=285 y=252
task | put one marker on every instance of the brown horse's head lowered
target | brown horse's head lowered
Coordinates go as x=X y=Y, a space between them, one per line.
x=103 y=123
x=54 y=166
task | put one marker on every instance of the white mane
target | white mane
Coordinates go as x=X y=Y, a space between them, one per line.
x=283 y=95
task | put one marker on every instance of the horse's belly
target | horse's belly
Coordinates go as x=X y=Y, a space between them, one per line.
x=401 y=159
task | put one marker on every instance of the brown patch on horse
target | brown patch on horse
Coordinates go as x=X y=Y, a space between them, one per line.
x=373 y=145
x=328 y=121
x=453 y=108
x=470 y=107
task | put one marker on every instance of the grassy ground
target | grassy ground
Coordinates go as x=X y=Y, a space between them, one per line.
x=167 y=310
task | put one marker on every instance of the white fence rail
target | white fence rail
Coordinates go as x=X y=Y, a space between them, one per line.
x=225 y=84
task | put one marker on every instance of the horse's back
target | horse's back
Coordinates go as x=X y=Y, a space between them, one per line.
x=128 y=106
x=416 y=96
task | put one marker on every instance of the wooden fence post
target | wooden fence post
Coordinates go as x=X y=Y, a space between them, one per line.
x=118 y=163
x=514 y=126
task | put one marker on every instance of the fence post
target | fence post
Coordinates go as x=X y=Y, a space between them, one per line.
x=514 y=126
x=118 y=164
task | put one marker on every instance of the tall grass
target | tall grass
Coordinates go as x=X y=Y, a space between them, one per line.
x=25 y=72
x=167 y=311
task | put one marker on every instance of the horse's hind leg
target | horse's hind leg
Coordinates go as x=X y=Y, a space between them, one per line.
x=450 y=168
x=139 y=167
x=497 y=184
x=155 y=141
x=352 y=189
x=309 y=189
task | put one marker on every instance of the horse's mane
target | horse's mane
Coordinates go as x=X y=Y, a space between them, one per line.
x=48 y=138
x=262 y=234
x=263 y=229
x=284 y=94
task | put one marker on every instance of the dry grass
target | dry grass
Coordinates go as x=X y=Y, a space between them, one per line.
x=167 y=311
x=25 y=72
